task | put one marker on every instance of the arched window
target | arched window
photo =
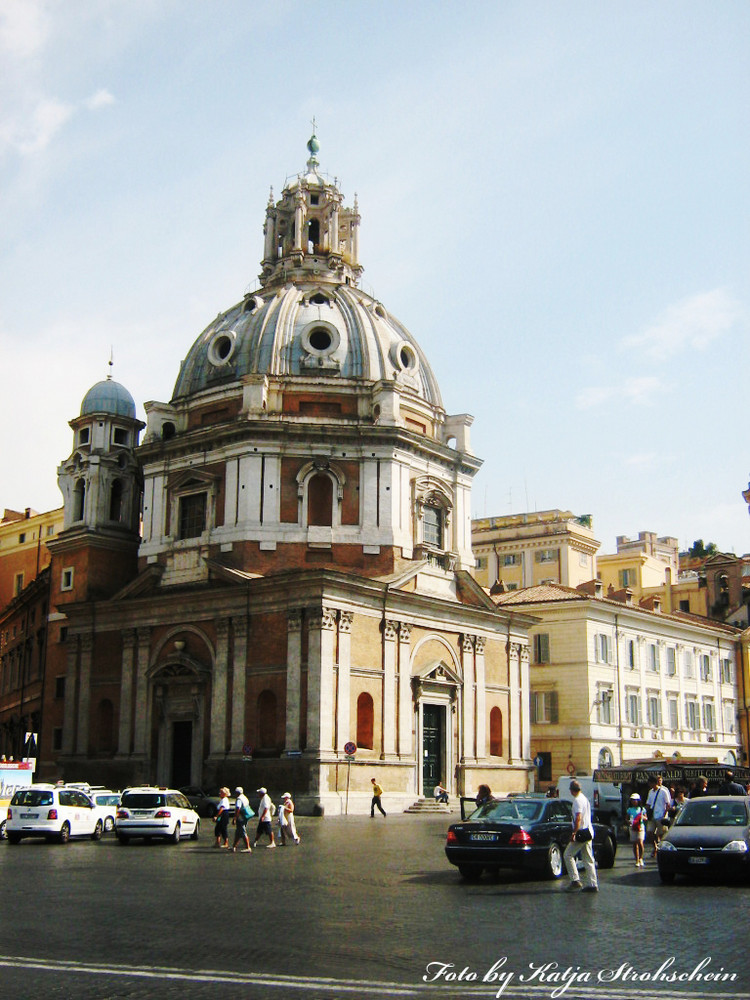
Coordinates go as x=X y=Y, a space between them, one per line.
x=496 y=732
x=365 y=721
x=266 y=720
x=313 y=234
x=79 y=500
x=105 y=726
x=115 y=501
x=320 y=500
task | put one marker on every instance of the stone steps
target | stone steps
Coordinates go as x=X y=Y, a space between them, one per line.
x=430 y=806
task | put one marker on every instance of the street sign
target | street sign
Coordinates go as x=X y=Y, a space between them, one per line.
x=538 y=760
x=350 y=748
x=247 y=750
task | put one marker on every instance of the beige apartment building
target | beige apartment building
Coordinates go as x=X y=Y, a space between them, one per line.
x=23 y=548
x=612 y=680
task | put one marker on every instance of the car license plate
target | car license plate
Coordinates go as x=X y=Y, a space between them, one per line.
x=141 y=812
x=484 y=836
x=29 y=815
x=697 y=861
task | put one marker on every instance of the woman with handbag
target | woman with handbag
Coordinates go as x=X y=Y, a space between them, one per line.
x=221 y=826
x=242 y=813
x=581 y=844
x=637 y=820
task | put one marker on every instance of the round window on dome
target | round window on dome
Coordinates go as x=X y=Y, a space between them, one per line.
x=320 y=338
x=221 y=348
x=406 y=357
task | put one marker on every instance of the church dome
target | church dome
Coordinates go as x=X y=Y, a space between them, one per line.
x=108 y=397
x=320 y=329
x=309 y=317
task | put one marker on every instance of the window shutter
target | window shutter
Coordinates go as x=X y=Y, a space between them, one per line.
x=553 y=706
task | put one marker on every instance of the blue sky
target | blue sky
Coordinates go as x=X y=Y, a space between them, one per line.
x=553 y=200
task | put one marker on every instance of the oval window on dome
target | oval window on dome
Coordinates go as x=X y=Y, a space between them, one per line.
x=221 y=348
x=320 y=339
x=406 y=357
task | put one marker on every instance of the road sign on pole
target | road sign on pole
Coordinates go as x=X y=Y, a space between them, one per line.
x=350 y=749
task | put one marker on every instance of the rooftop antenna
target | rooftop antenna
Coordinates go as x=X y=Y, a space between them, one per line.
x=110 y=362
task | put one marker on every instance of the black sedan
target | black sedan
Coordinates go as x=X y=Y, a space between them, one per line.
x=524 y=832
x=710 y=836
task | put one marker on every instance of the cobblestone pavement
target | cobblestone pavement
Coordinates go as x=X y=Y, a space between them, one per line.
x=362 y=908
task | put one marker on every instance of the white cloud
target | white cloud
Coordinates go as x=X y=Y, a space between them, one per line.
x=34 y=132
x=636 y=391
x=23 y=27
x=692 y=324
x=101 y=99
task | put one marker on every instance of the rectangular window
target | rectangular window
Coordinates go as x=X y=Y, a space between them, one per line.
x=685 y=606
x=709 y=717
x=653 y=658
x=193 y=515
x=727 y=674
x=481 y=562
x=601 y=648
x=689 y=664
x=692 y=714
x=729 y=717
x=634 y=709
x=671 y=662
x=511 y=559
x=626 y=577
x=673 y=713
x=120 y=436
x=432 y=526
x=22 y=538
x=705 y=667
x=17 y=584
x=631 y=654
x=583 y=559
x=654 y=710
x=541 y=648
x=66 y=581
x=544 y=707
x=60 y=686
x=546 y=555
x=605 y=711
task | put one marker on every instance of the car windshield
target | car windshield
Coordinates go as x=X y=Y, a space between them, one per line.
x=107 y=800
x=732 y=812
x=509 y=810
x=143 y=800
x=32 y=797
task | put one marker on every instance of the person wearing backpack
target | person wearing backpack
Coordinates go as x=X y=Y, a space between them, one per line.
x=242 y=814
x=637 y=819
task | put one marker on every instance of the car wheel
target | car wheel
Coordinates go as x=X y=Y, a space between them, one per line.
x=109 y=824
x=553 y=867
x=124 y=841
x=606 y=857
x=98 y=830
x=667 y=878
x=175 y=838
x=14 y=838
x=64 y=835
x=470 y=873
x=3 y=834
x=197 y=831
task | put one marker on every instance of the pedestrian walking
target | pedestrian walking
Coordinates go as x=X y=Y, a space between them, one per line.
x=221 y=826
x=729 y=786
x=242 y=813
x=265 y=817
x=637 y=819
x=287 y=826
x=658 y=804
x=377 y=792
x=441 y=794
x=581 y=844
x=699 y=787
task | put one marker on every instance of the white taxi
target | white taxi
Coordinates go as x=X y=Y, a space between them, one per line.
x=105 y=801
x=54 y=812
x=156 y=812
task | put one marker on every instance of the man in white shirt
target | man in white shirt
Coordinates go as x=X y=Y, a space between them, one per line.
x=582 y=827
x=265 y=817
x=658 y=804
x=242 y=814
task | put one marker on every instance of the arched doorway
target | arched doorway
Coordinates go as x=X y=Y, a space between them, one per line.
x=180 y=691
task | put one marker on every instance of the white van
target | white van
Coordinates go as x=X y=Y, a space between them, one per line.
x=605 y=798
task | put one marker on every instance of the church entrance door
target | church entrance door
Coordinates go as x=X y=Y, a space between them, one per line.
x=433 y=747
x=182 y=750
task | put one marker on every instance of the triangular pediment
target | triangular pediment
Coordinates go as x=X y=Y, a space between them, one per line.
x=438 y=672
x=145 y=583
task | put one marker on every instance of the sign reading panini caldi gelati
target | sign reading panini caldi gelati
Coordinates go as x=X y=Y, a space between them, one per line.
x=682 y=770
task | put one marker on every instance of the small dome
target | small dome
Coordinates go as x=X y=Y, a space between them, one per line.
x=109 y=397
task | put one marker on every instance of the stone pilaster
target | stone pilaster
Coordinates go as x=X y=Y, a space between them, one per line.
x=84 y=694
x=343 y=709
x=321 y=643
x=481 y=696
x=143 y=649
x=405 y=701
x=293 y=672
x=469 y=749
x=525 y=706
x=126 y=692
x=218 y=733
x=239 y=666
x=388 y=736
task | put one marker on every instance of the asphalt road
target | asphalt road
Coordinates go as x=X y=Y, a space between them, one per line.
x=361 y=909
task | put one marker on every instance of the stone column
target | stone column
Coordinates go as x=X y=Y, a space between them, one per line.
x=84 y=694
x=140 y=740
x=71 y=684
x=405 y=700
x=293 y=671
x=481 y=695
x=343 y=707
x=126 y=692
x=218 y=733
x=321 y=636
x=515 y=698
x=239 y=666
x=469 y=749
x=525 y=706
x=388 y=735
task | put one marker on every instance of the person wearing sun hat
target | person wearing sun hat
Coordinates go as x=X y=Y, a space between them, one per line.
x=637 y=819
x=265 y=817
x=287 y=826
x=242 y=814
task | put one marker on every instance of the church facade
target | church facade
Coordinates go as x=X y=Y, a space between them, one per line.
x=277 y=565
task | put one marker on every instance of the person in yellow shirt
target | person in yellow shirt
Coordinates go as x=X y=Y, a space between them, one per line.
x=377 y=791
